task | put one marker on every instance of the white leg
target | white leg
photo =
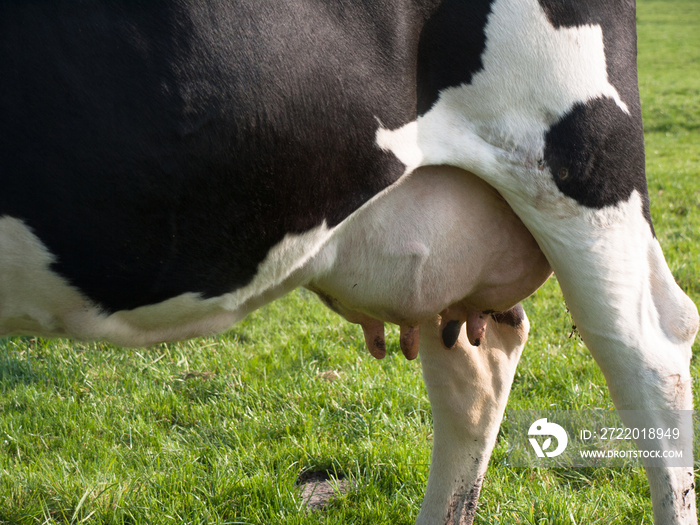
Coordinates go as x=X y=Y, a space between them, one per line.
x=656 y=387
x=639 y=327
x=468 y=388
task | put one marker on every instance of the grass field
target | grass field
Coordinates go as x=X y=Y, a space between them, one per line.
x=218 y=430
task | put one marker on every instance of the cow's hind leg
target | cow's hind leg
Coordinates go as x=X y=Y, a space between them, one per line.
x=653 y=391
x=468 y=387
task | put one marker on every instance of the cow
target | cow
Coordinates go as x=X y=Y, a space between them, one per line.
x=167 y=167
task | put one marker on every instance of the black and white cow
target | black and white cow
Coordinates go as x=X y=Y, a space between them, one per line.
x=166 y=167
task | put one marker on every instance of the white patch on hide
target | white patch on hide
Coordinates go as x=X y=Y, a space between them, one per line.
x=533 y=73
x=402 y=143
x=34 y=300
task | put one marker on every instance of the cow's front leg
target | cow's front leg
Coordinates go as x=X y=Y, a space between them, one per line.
x=468 y=387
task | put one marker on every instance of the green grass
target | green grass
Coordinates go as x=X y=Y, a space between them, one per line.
x=217 y=430
x=212 y=431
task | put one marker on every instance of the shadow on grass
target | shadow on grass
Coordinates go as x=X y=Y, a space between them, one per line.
x=15 y=369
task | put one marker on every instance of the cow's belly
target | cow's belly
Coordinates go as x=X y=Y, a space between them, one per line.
x=439 y=238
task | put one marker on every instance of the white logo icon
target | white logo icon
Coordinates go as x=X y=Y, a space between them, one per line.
x=542 y=428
